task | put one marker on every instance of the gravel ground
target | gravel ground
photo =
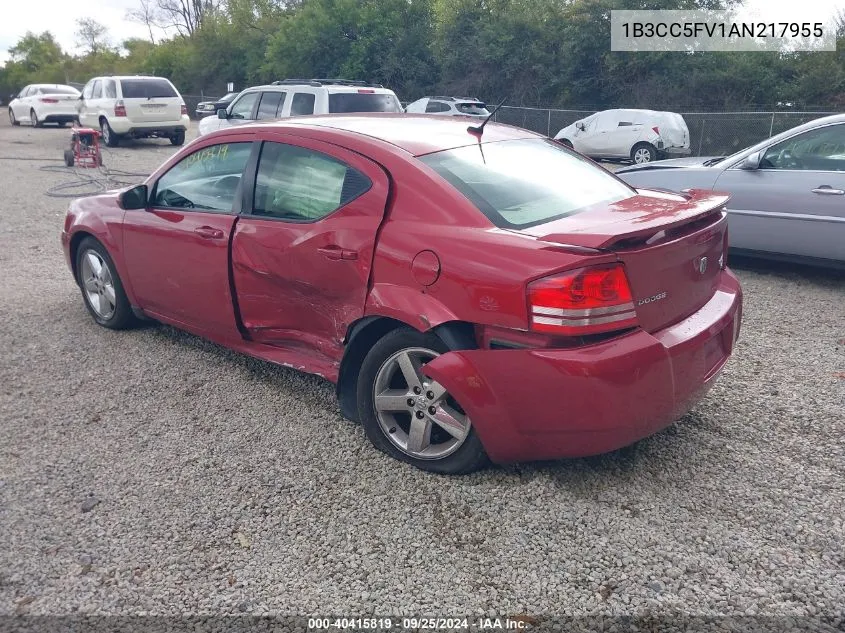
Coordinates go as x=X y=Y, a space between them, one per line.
x=150 y=471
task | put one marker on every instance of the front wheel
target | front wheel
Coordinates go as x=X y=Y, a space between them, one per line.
x=643 y=153
x=101 y=287
x=408 y=415
x=109 y=137
x=12 y=119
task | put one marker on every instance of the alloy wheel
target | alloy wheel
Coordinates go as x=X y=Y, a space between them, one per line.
x=98 y=284
x=642 y=155
x=416 y=413
x=33 y=118
x=105 y=132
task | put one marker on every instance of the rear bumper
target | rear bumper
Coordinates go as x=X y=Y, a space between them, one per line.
x=126 y=127
x=530 y=404
x=676 y=151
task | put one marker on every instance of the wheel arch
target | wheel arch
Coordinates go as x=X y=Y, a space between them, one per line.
x=363 y=334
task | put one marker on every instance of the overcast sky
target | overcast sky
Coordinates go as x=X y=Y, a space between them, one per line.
x=59 y=17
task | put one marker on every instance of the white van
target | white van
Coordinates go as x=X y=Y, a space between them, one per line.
x=134 y=107
x=298 y=97
x=639 y=135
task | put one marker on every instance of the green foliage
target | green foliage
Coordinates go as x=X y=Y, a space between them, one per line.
x=534 y=52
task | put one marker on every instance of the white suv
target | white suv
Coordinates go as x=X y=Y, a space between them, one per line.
x=449 y=106
x=134 y=107
x=297 y=97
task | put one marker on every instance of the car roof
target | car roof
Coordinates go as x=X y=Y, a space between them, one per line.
x=417 y=134
x=303 y=87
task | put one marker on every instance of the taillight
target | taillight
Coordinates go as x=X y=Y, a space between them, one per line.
x=119 y=108
x=366 y=91
x=184 y=109
x=48 y=100
x=583 y=301
x=656 y=130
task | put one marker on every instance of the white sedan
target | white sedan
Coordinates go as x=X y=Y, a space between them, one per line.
x=44 y=103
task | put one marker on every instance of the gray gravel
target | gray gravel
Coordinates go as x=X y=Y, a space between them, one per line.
x=150 y=471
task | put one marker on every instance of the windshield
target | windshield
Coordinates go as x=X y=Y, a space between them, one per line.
x=472 y=108
x=363 y=102
x=521 y=183
x=146 y=88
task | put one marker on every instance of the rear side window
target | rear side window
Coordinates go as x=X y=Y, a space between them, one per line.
x=269 y=106
x=148 y=88
x=521 y=183
x=301 y=185
x=303 y=103
x=437 y=106
x=110 y=89
x=363 y=102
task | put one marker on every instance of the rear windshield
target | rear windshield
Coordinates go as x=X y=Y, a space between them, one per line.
x=146 y=88
x=472 y=108
x=57 y=90
x=518 y=184
x=363 y=102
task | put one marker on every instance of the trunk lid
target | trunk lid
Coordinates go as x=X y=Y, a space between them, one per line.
x=671 y=246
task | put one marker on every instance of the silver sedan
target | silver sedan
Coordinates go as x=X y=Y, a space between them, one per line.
x=787 y=192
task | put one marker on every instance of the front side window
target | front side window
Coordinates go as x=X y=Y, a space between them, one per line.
x=97 y=90
x=207 y=180
x=88 y=90
x=521 y=183
x=270 y=105
x=24 y=93
x=822 y=149
x=303 y=103
x=301 y=185
x=242 y=108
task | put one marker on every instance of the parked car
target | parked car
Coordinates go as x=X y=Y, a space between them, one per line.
x=298 y=97
x=204 y=108
x=643 y=136
x=134 y=107
x=449 y=106
x=787 y=192
x=472 y=294
x=38 y=104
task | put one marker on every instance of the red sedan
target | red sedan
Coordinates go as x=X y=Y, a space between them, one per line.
x=473 y=295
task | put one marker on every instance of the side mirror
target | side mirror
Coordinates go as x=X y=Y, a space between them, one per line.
x=134 y=198
x=222 y=114
x=580 y=126
x=751 y=162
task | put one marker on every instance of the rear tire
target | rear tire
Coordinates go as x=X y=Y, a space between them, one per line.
x=12 y=118
x=33 y=119
x=62 y=123
x=109 y=137
x=643 y=153
x=97 y=277
x=450 y=453
x=178 y=138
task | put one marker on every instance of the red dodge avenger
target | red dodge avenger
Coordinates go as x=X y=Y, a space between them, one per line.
x=473 y=294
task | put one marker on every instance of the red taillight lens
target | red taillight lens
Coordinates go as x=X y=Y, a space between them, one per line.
x=184 y=109
x=119 y=108
x=48 y=100
x=366 y=91
x=656 y=130
x=583 y=301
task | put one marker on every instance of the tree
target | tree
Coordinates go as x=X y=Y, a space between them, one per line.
x=91 y=36
x=146 y=14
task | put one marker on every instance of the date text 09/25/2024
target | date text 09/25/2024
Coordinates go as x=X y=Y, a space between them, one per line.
x=418 y=624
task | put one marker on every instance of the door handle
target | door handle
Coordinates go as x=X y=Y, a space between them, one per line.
x=209 y=233
x=827 y=190
x=334 y=251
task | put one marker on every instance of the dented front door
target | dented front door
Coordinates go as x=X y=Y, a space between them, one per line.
x=303 y=248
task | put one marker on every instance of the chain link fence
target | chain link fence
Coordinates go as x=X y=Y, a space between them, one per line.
x=711 y=133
